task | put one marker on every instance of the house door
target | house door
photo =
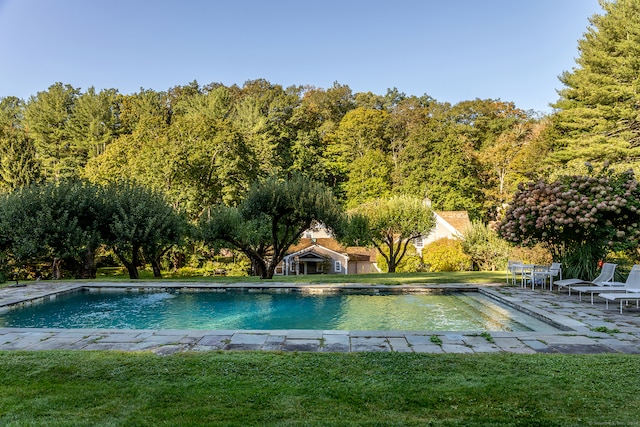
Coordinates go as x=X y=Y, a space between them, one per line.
x=311 y=268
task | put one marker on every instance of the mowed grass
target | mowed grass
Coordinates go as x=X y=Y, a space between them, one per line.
x=461 y=277
x=66 y=388
x=457 y=277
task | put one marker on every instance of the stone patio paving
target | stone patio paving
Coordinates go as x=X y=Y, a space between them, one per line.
x=579 y=319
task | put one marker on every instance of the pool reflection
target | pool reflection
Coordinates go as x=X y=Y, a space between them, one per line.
x=261 y=311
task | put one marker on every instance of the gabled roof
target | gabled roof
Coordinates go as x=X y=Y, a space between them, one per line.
x=331 y=244
x=459 y=220
x=355 y=253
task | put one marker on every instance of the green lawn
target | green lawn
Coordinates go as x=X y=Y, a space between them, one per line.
x=474 y=277
x=67 y=388
x=459 y=277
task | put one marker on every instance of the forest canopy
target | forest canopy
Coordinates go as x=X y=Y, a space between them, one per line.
x=204 y=144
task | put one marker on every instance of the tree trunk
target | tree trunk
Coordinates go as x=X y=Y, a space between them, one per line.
x=56 y=273
x=260 y=268
x=132 y=267
x=155 y=265
x=89 y=264
x=156 y=262
x=271 y=270
x=263 y=271
x=391 y=264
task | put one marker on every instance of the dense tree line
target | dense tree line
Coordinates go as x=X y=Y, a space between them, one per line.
x=202 y=145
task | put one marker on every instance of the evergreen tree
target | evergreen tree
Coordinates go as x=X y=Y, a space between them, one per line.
x=18 y=164
x=598 y=116
x=94 y=122
x=47 y=116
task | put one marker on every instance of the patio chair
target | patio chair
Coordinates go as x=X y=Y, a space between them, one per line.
x=513 y=268
x=604 y=278
x=540 y=275
x=632 y=284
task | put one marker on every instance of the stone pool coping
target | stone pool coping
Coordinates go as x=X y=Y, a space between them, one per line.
x=577 y=318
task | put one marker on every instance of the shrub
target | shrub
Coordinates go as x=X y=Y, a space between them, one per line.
x=241 y=267
x=446 y=255
x=488 y=252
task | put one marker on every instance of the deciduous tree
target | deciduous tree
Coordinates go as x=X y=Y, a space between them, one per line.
x=270 y=219
x=369 y=178
x=140 y=222
x=57 y=222
x=390 y=225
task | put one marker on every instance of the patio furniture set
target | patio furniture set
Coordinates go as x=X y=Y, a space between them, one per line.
x=603 y=286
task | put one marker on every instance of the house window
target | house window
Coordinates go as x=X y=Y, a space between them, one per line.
x=319 y=267
x=338 y=266
x=418 y=242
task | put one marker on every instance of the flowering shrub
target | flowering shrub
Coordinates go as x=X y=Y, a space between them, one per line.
x=585 y=215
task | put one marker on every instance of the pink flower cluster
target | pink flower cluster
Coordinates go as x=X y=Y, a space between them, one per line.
x=575 y=210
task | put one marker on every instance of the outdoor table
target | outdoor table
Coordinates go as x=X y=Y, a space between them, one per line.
x=542 y=272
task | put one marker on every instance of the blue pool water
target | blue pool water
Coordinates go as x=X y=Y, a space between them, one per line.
x=260 y=311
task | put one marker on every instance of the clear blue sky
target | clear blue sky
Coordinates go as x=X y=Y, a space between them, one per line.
x=452 y=50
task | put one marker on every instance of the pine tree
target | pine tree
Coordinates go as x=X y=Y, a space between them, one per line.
x=18 y=163
x=47 y=116
x=597 y=118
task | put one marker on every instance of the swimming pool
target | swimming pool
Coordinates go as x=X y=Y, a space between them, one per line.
x=180 y=309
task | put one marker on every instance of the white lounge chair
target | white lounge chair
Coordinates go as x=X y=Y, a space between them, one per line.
x=632 y=284
x=622 y=297
x=605 y=277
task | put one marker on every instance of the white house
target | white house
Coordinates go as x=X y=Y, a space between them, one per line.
x=449 y=224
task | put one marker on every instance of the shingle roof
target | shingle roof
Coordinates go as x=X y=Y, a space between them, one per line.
x=458 y=219
x=357 y=253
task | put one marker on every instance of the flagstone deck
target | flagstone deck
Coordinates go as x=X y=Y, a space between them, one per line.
x=577 y=318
